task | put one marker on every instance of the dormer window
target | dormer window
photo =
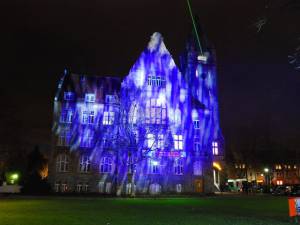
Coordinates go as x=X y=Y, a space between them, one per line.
x=156 y=80
x=90 y=97
x=69 y=96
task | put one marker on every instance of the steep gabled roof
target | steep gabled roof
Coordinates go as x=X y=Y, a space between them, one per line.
x=155 y=59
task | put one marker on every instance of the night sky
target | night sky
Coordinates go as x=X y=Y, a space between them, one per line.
x=258 y=90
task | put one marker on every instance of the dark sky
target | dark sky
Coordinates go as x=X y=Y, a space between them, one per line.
x=258 y=89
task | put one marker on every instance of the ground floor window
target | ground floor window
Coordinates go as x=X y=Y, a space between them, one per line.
x=129 y=189
x=178 y=188
x=56 y=186
x=155 y=189
x=101 y=186
x=108 y=188
x=82 y=187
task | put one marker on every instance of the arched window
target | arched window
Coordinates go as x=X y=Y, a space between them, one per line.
x=106 y=165
x=178 y=167
x=85 y=164
x=62 y=163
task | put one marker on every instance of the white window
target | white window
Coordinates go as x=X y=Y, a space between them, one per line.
x=62 y=163
x=108 y=188
x=88 y=117
x=156 y=112
x=154 y=167
x=178 y=142
x=196 y=143
x=85 y=164
x=196 y=124
x=129 y=189
x=79 y=187
x=178 y=188
x=64 y=138
x=106 y=165
x=197 y=168
x=156 y=80
x=150 y=141
x=66 y=116
x=57 y=187
x=69 y=96
x=101 y=186
x=160 y=141
x=90 y=97
x=215 y=148
x=178 y=167
x=108 y=117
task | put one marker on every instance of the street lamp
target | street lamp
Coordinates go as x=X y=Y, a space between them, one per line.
x=14 y=177
x=266 y=170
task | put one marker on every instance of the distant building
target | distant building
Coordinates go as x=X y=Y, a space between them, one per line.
x=154 y=131
x=276 y=174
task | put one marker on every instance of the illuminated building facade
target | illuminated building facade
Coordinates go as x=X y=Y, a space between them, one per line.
x=154 y=131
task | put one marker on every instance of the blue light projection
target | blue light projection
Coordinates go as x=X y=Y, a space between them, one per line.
x=150 y=133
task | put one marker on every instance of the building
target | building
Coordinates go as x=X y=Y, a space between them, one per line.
x=154 y=131
x=274 y=174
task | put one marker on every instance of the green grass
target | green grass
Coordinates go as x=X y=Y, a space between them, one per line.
x=231 y=210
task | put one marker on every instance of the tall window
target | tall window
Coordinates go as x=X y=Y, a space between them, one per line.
x=108 y=117
x=106 y=165
x=85 y=164
x=154 y=167
x=196 y=124
x=64 y=138
x=90 y=97
x=86 y=139
x=156 y=112
x=178 y=167
x=66 y=116
x=160 y=141
x=88 y=117
x=156 y=80
x=177 y=117
x=178 y=141
x=82 y=187
x=196 y=143
x=69 y=96
x=62 y=163
x=150 y=140
x=215 y=148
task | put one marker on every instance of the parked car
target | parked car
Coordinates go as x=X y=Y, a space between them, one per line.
x=282 y=190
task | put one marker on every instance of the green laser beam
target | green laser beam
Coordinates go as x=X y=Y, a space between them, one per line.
x=194 y=25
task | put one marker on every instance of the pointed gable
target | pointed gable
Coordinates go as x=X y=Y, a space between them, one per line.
x=155 y=60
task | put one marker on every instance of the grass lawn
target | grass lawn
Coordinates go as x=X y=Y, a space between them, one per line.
x=231 y=210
